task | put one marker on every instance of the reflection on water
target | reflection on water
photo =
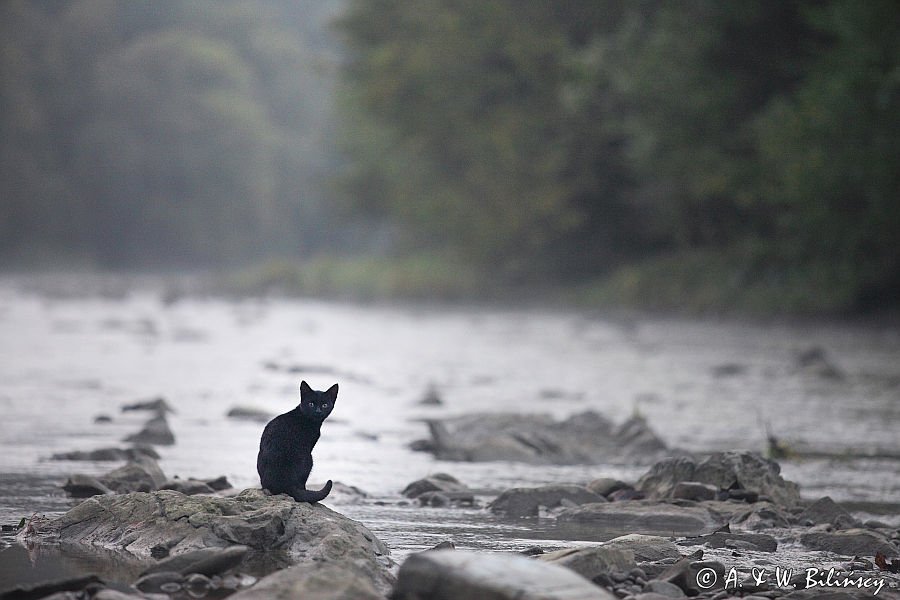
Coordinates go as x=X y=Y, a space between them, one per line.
x=702 y=385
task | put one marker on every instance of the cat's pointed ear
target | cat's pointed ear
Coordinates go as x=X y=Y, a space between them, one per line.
x=331 y=393
x=305 y=390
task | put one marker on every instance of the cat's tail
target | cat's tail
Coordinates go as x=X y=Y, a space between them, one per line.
x=312 y=495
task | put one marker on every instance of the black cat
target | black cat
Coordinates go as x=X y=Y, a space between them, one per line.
x=285 y=450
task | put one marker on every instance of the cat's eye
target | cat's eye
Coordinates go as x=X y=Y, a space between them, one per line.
x=311 y=404
x=325 y=405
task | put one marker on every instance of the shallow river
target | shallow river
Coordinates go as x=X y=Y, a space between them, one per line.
x=702 y=385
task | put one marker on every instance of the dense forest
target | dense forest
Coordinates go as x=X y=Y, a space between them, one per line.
x=705 y=153
x=163 y=133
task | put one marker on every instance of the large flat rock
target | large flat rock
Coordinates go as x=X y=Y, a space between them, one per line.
x=585 y=438
x=454 y=574
x=167 y=523
x=641 y=516
x=723 y=470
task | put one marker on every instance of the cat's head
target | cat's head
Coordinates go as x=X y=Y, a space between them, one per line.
x=317 y=405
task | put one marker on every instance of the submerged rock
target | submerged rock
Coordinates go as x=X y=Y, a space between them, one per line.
x=733 y=470
x=525 y=502
x=539 y=439
x=454 y=574
x=169 y=523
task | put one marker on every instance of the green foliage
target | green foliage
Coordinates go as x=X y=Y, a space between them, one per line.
x=716 y=154
x=473 y=146
x=161 y=133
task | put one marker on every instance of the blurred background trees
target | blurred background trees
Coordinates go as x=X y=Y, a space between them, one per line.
x=719 y=150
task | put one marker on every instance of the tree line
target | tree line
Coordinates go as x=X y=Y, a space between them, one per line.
x=539 y=142
x=562 y=140
x=159 y=133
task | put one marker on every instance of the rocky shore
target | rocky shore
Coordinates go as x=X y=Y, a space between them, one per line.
x=717 y=526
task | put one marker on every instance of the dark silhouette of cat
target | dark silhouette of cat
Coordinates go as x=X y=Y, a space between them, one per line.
x=285 y=450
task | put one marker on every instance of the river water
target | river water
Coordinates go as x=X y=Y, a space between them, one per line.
x=703 y=386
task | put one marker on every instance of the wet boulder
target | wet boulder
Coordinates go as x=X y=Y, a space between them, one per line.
x=156 y=431
x=438 y=482
x=188 y=487
x=140 y=475
x=645 y=548
x=734 y=470
x=641 y=516
x=453 y=574
x=314 y=581
x=591 y=562
x=85 y=486
x=758 y=542
x=526 y=502
x=827 y=511
x=850 y=542
x=146 y=525
x=540 y=439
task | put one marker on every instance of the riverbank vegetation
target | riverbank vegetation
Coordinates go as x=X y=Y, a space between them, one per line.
x=701 y=156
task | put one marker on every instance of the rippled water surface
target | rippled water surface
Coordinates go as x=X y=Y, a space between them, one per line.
x=65 y=361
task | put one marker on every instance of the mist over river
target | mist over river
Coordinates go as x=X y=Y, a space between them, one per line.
x=702 y=385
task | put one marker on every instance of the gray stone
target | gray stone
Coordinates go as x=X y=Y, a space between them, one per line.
x=642 y=516
x=539 y=439
x=603 y=486
x=592 y=561
x=157 y=405
x=141 y=523
x=525 y=502
x=826 y=510
x=760 y=542
x=694 y=490
x=313 y=581
x=188 y=487
x=85 y=486
x=723 y=470
x=140 y=475
x=249 y=413
x=107 y=454
x=455 y=574
x=156 y=431
x=439 y=482
x=207 y=561
x=664 y=588
x=646 y=548
x=760 y=516
x=850 y=542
